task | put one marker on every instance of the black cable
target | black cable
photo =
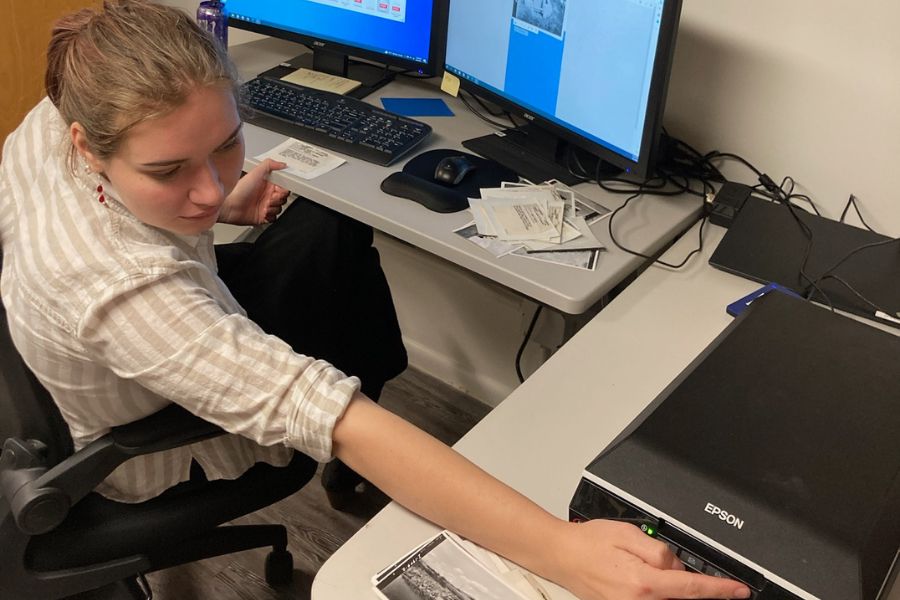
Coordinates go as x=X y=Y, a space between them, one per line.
x=780 y=195
x=475 y=112
x=488 y=110
x=854 y=201
x=790 y=195
x=521 y=351
x=855 y=292
x=716 y=154
x=813 y=286
x=857 y=250
x=612 y=237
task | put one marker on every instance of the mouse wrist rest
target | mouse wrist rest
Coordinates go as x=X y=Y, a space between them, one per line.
x=431 y=195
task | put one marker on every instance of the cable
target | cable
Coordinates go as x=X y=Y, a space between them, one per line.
x=853 y=200
x=716 y=154
x=612 y=237
x=857 y=250
x=488 y=110
x=778 y=194
x=521 y=351
x=855 y=292
x=475 y=112
x=790 y=195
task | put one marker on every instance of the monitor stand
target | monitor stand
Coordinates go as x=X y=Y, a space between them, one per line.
x=372 y=76
x=531 y=151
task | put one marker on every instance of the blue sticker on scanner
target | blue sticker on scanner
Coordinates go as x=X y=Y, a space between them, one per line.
x=739 y=306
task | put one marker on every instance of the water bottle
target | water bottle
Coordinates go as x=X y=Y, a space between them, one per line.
x=211 y=17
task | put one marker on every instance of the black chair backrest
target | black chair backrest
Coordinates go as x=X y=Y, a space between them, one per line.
x=26 y=409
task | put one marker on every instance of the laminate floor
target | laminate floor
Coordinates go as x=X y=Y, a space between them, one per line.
x=315 y=531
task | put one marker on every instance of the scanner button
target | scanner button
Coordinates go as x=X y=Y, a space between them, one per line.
x=691 y=561
x=715 y=572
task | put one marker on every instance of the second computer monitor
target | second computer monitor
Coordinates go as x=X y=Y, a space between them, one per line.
x=407 y=34
x=589 y=72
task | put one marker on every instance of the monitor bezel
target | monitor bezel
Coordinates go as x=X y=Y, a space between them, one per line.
x=435 y=45
x=656 y=100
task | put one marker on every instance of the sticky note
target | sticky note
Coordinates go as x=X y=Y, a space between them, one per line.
x=450 y=84
x=417 y=107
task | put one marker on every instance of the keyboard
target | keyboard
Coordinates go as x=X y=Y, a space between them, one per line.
x=345 y=125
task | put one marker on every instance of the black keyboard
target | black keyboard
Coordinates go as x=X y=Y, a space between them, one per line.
x=335 y=122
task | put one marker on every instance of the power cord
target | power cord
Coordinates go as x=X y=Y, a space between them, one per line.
x=477 y=113
x=853 y=201
x=528 y=332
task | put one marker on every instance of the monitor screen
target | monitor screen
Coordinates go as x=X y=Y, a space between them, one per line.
x=393 y=32
x=594 y=71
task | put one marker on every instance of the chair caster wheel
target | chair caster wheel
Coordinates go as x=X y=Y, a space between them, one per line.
x=279 y=568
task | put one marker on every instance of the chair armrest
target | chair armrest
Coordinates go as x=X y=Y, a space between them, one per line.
x=168 y=428
x=39 y=498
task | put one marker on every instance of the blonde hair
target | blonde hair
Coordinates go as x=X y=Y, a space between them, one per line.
x=132 y=61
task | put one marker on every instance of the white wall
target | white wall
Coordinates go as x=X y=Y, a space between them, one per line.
x=807 y=88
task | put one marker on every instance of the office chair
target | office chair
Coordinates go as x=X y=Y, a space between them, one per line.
x=59 y=538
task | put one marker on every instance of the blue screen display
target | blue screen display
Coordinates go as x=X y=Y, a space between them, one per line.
x=394 y=28
x=585 y=65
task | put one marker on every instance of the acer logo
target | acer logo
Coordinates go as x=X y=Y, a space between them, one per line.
x=724 y=516
x=529 y=117
x=319 y=44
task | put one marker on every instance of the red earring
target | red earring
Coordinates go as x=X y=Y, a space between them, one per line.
x=102 y=198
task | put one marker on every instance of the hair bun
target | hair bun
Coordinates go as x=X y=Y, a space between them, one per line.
x=62 y=36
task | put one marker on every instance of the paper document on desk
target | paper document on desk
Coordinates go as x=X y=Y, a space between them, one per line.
x=303 y=160
x=449 y=567
x=322 y=81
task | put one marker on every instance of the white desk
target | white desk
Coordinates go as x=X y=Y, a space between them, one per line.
x=577 y=402
x=353 y=189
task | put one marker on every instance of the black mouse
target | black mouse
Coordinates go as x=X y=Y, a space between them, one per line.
x=453 y=169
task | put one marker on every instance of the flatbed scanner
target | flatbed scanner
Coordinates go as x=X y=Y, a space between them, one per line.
x=773 y=458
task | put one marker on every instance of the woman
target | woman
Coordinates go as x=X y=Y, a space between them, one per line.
x=108 y=191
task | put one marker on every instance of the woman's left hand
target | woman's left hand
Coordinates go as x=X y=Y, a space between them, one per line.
x=255 y=200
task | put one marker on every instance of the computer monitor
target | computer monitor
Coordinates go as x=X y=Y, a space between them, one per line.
x=407 y=34
x=592 y=73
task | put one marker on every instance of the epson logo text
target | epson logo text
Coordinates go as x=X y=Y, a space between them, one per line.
x=724 y=516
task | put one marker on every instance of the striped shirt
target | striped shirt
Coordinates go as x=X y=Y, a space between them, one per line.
x=118 y=319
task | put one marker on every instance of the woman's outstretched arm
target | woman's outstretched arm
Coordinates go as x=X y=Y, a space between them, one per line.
x=599 y=560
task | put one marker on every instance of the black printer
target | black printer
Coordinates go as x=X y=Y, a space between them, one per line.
x=773 y=458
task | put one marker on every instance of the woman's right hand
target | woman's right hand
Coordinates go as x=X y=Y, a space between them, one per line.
x=608 y=560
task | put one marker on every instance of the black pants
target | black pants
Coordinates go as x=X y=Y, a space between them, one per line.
x=314 y=279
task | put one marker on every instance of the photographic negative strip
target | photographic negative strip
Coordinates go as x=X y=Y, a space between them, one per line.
x=441 y=570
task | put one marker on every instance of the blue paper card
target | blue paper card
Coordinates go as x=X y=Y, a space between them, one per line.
x=417 y=107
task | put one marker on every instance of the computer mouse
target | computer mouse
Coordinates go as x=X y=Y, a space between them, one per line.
x=453 y=169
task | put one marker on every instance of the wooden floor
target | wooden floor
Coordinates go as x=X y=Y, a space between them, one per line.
x=315 y=531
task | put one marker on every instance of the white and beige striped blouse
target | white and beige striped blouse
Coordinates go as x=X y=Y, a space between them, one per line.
x=118 y=319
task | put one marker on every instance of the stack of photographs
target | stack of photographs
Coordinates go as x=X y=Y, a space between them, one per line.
x=548 y=222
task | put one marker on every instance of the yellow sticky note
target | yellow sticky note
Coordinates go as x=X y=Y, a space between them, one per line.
x=450 y=84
